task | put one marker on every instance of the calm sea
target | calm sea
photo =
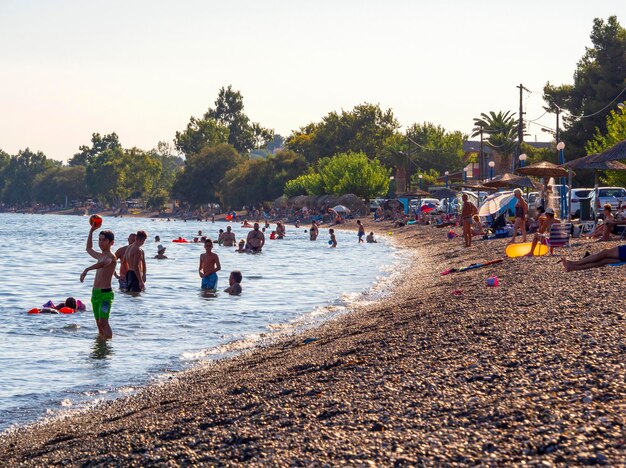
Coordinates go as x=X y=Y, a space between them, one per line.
x=53 y=363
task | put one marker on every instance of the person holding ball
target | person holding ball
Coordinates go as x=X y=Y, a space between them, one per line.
x=102 y=293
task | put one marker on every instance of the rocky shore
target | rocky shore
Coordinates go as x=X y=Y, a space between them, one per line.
x=446 y=371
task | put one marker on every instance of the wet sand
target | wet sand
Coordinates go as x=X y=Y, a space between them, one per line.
x=445 y=371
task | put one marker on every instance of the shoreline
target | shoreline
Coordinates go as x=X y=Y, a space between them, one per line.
x=445 y=370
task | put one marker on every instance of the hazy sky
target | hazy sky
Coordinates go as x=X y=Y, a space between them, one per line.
x=143 y=68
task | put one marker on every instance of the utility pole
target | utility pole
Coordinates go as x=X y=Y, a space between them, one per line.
x=481 y=157
x=520 y=125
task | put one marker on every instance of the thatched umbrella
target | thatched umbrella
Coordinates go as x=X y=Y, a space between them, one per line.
x=595 y=163
x=614 y=153
x=444 y=193
x=543 y=169
x=510 y=180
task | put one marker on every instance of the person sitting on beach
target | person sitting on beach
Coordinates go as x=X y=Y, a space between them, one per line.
x=370 y=238
x=161 y=252
x=602 y=258
x=536 y=223
x=228 y=238
x=234 y=281
x=209 y=266
x=544 y=230
x=477 y=226
x=610 y=227
x=599 y=230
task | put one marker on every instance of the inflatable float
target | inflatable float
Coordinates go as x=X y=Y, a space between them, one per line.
x=519 y=250
x=49 y=310
x=181 y=240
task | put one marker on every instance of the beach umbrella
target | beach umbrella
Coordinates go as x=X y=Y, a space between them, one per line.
x=543 y=169
x=510 y=180
x=614 y=153
x=444 y=193
x=341 y=209
x=494 y=203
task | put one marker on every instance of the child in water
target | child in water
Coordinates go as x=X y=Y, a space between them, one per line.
x=333 y=239
x=209 y=266
x=235 y=283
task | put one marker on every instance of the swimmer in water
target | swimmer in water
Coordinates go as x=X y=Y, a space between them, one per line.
x=333 y=239
x=234 y=288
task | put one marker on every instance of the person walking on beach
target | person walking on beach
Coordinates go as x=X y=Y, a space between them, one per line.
x=228 y=238
x=467 y=212
x=521 y=211
x=135 y=260
x=102 y=293
x=361 y=232
x=209 y=266
x=256 y=239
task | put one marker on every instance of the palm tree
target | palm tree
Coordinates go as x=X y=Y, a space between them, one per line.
x=501 y=129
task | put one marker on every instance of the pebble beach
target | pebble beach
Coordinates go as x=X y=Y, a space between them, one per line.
x=444 y=371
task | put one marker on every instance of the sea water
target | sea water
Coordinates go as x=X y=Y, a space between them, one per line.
x=52 y=363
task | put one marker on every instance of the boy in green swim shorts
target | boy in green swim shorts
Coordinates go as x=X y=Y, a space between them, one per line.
x=102 y=293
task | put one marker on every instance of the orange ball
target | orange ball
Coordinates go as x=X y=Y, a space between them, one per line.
x=95 y=220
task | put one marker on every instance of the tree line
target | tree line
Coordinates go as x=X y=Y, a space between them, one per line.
x=223 y=157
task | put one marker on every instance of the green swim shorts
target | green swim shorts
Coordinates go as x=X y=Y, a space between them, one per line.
x=101 y=300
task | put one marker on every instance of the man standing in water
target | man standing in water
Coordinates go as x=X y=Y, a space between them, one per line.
x=256 y=239
x=102 y=294
x=119 y=254
x=228 y=238
x=134 y=258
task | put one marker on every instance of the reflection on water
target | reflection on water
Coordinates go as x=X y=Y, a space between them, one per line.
x=101 y=349
x=173 y=323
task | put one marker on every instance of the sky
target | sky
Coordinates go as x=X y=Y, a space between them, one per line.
x=143 y=68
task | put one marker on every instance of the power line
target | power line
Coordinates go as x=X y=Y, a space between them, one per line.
x=595 y=113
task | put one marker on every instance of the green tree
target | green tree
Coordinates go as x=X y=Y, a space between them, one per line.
x=199 y=181
x=104 y=176
x=433 y=147
x=615 y=133
x=5 y=160
x=306 y=184
x=141 y=172
x=363 y=129
x=599 y=78
x=60 y=184
x=353 y=173
x=429 y=177
x=199 y=134
x=228 y=112
x=258 y=180
x=501 y=131
x=20 y=174
x=99 y=144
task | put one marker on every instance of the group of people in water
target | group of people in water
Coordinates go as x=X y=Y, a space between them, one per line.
x=132 y=274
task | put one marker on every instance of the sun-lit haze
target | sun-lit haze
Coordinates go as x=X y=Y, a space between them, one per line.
x=143 y=68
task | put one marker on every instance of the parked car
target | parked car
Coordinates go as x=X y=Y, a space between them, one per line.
x=375 y=203
x=579 y=194
x=614 y=196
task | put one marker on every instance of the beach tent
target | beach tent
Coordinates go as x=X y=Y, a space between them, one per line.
x=496 y=203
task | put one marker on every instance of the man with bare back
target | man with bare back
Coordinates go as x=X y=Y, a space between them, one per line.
x=135 y=260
